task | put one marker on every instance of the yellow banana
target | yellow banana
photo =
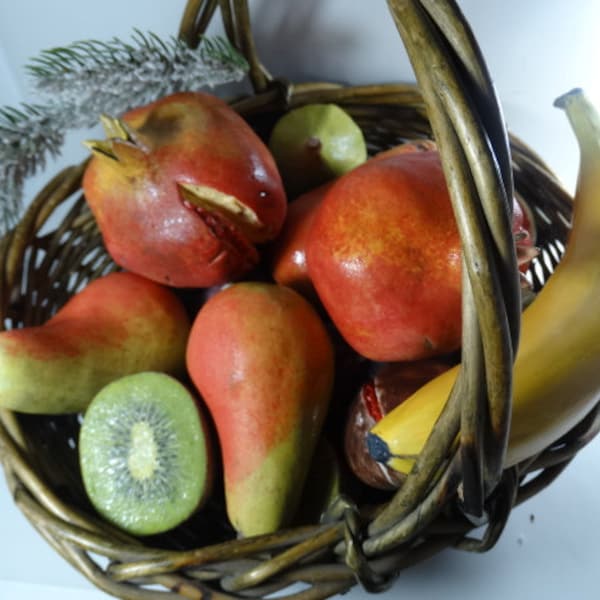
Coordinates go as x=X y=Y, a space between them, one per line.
x=557 y=367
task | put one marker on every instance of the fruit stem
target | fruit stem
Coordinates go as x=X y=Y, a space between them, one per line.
x=313 y=143
x=585 y=122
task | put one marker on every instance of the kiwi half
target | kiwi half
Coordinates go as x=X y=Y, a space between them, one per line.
x=145 y=453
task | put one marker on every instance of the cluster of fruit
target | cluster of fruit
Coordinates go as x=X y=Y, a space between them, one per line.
x=270 y=292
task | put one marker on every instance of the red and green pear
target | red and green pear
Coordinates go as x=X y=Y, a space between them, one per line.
x=263 y=362
x=184 y=191
x=117 y=325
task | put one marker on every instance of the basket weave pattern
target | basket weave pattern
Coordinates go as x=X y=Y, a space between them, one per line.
x=452 y=487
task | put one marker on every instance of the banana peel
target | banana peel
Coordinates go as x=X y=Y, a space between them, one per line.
x=557 y=368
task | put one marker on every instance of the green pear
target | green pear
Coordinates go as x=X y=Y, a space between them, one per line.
x=314 y=144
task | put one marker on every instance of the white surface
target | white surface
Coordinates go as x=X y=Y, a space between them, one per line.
x=535 y=50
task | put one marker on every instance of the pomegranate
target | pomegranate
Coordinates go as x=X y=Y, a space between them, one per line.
x=384 y=255
x=183 y=190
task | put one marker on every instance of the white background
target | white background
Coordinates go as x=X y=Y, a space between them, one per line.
x=536 y=50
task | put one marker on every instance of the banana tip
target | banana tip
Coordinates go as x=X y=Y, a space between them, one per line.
x=563 y=100
x=378 y=448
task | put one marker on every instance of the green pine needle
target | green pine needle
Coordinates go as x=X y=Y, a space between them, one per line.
x=27 y=136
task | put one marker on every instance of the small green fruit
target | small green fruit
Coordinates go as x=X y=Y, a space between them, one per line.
x=314 y=144
x=146 y=460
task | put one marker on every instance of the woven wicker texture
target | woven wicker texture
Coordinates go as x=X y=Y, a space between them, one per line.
x=359 y=540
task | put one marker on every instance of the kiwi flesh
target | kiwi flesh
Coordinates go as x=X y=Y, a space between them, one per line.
x=145 y=453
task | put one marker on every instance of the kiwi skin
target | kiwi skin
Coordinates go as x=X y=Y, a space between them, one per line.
x=146 y=453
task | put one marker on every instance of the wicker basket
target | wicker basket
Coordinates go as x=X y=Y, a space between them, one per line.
x=367 y=540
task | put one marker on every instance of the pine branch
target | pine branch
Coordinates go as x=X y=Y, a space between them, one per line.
x=88 y=78
x=93 y=77
x=27 y=136
x=11 y=192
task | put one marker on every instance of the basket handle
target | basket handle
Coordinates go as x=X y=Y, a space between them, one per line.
x=236 y=22
x=467 y=123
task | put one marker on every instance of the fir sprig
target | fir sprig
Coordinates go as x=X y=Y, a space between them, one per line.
x=88 y=78
x=96 y=77
x=28 y=135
